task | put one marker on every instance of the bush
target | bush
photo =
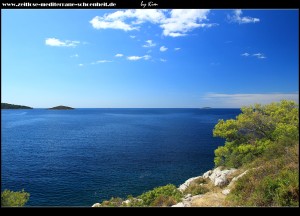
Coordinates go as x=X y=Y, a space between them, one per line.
x=14 y=199
x=113 y=202
x=161 y=196
x=276 y=183
x=254 y=130
x=196 y=189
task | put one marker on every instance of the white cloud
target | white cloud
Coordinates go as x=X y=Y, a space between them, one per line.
x=163 y=48
x=103 y=61
x=237 y=17
x=245 y=54
x=176 y=49
x=136 y=58
x=239 y=100
x=59 y=43
x=259 y=55
x=149 y=43
x=119 y=55
x=163 y=60
x=74 y=56
x=80 y=65
x=174 y=23
x=132 y=36
x=146 y=57
x=182 y=21
x=101 y=23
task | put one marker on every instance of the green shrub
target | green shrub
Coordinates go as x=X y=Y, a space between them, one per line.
x=196 y=189
x=164 y=195
x=113 y=202
x=14 y=199
x=254 y=130
x=274 y=184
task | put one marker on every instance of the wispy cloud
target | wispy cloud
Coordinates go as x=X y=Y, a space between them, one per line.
x=239 y=100
x=136 y=58
x=80 y=65
x=176 y=49
x=163 y=49
x=119 y=55
x=174 y=23
x=101 y=61
x=74 y=56
x=238 y=18
x=260 y=55
x=59 y=43
x=132 y=36
x=257 y=55
x=163 y=60
x=149 y=43
x=245 y=54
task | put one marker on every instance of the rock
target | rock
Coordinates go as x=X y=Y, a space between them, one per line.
x=237 y=177
x=188 y=196
x=126 y=202
x=207 y=174
x=96 y=205
x=187 y=183
x=226 y=192
x=219 y=177
x=179 y=205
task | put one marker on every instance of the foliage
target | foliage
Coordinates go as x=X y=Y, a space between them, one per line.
x=113 y=202
x=161 y=196
x=14 y=199
x=275 y=182
x=196 y=187
x=250 y=134
x=13 y=106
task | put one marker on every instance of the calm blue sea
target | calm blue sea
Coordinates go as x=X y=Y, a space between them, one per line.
x=82 y=156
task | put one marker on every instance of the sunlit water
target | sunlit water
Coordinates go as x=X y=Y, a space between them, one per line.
x=82 y=156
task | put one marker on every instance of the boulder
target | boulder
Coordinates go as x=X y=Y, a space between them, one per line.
x=226 y=192
x=187 y=183
x=207 y=174
x=96 y=205
x=220 y=177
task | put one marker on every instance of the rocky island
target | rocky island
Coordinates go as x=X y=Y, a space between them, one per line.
x=13 y=106
x=61 y=108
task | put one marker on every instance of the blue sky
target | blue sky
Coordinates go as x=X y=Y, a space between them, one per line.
x=149 y=58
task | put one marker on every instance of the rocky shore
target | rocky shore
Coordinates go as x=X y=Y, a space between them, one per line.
x=219 y=181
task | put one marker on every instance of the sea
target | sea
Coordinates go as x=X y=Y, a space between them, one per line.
x=83 y=156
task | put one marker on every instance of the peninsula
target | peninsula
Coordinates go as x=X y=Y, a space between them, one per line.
x=13 y=106
x=61 y=108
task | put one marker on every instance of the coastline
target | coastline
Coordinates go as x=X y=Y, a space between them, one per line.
x=219 y=181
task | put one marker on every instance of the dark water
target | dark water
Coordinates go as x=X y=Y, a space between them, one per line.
x=82 y=156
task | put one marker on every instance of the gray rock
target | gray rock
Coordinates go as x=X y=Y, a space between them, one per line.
x=188 y=196
x=207 y=174
x=219 y=177
x=226 y=192
x=96 y=205
x=179 y=205
x=187 y=183
x=237 y=177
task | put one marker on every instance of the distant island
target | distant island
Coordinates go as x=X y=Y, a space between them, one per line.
x=13 y=106
x=206 y=108
x=61 y=108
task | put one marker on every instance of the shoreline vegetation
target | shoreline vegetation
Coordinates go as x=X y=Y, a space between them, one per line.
x=14 y=106
x=258 y=165
x=61 y=108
